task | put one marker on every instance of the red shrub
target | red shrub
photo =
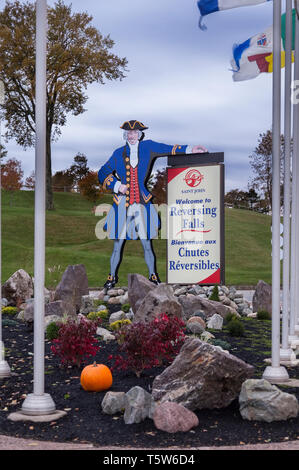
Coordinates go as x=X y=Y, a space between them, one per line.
x=76 y=341
x=146 y=345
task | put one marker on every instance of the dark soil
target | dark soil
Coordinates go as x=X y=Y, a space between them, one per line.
x=85 y=421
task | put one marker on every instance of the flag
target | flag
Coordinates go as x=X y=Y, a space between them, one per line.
x=255 y=55
x=210 y=6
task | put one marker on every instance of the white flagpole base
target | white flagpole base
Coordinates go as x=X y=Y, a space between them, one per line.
x=293 y=341
x=276 y=374
x=287 y=355
x=37 y=405
x=4 y=369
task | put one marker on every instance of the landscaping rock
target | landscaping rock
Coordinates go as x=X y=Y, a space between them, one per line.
x=139 y=405
x=261 y=401
x=157 y=301
x=87 y=304
x=116 y=316
x=18 y=288
x=197 y=319
x=105 y=334
x=51 y=319
x=115 y=300
x=206 y=336
x=172 y=417
x=73 y=285
x=138 y=288
x=201 y=376
x=215 y=322
x=195 y=328
x=52 y=308
x=191 y=304
x=262 y=298
x=4 y=302
x=113 y=402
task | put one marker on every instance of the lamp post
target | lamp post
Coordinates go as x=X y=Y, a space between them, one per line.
x=38 y=402
x=276 y=373
x=4 y=367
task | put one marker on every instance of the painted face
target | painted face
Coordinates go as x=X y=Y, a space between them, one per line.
x=133 y=137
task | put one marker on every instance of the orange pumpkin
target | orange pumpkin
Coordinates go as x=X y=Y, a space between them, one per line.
x=96 y=378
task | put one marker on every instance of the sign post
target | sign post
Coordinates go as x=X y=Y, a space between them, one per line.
x=195 y=220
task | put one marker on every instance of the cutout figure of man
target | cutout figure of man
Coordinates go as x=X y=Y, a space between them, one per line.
x=133 y=215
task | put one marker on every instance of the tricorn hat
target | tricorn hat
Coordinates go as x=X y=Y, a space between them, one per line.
x=133 y=126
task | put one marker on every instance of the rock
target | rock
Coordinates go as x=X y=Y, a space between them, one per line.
x=215 y=322
x=113 y=402
x=87 y=304
x=116 y=316
x=138 y=288
x=52 y=308
x=100 y=308
x=206 y=336
x=246 y=312
x=192 y=304
x=4 y=302
x=115 y=300
x=180 y=291
x=130 y=315
x=124 y=299
x=51 y=319
x=201 y=376
x=261 y=401
x=105 y=334
x=172 y=417
x=195 y=328
x=73 y=285
x=139 y=405
x=262 y=298
x=18 y=288
x=113 y=293
x=157 y=301
x=197 y=319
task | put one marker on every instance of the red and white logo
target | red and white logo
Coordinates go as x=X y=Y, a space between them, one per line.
x=193 y=178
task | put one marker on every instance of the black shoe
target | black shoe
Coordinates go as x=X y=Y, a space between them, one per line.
x=155 y=279
x=111 y=281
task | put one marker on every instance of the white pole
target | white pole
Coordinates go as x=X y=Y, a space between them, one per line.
x=276 y=373
x=293 y=338
x=286 y=353
x=4 y=367
x=40 y=403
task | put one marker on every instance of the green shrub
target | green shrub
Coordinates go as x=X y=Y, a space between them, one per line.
x=125 y=307
x=235 y=328
x=98 y=315
x=52 y=331
x=221 y=343
x=97 y=303
x=10 y=311
x=118 y=324
x=215 y=294
x=230 y=316
x=263 y=315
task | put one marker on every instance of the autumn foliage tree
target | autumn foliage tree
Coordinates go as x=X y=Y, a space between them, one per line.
x=90 y=188
x=30 y=181
x=12 y=176
x=78 y=55
x=159 y=187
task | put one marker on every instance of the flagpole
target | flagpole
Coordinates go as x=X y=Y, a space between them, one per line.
x=293 y=338
x=4 y=367
x=286 y=353
x=276 y=373
x=38 y=402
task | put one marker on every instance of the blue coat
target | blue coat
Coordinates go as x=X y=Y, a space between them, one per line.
x=115 y=170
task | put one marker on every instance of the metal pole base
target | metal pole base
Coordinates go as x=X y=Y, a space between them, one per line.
x=4 y=369
x=37 y=405
x=276 y=374
x=287 y=355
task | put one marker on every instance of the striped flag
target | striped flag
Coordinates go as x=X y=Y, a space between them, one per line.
x=255 y=55
x=210 y=6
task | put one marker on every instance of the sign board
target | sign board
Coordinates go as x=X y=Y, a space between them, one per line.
x=195 y=224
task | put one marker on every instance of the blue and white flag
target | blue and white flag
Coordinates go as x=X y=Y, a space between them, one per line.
x=210 y=6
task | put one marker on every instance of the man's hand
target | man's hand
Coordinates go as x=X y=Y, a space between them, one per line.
x=123 y=188
x=199 y=149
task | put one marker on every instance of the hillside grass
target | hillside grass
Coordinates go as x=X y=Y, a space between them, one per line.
x=71 y=239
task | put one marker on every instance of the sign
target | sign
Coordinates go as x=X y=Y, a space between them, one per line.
x=195 y=224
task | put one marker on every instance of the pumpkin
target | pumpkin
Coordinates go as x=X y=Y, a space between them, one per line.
x=96 y=378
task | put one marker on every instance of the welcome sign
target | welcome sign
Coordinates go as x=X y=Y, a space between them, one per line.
x=195 y=224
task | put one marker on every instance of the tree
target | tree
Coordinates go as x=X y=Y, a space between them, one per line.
x=159 y=187
x=30 y=181
x=261 y=164
x=252 y=198
x=90 y=188
x=79 y=169
x=236 y=198
x=62 y=181
x=11 y=177
x=78 y=55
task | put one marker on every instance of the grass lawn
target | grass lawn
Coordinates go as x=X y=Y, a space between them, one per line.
x=71 y=239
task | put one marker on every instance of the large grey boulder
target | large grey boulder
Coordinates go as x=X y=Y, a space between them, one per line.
x=172 y=417
x=261 y=401
x=18 y=288
x=139 y=405
x=73 y=285
x=51 y=309
x=192 y=303
x=113 y=402
x=138 y=288
x=157 y=301
x=201 y=376
x=262 y=298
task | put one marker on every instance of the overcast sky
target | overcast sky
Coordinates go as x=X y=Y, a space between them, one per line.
x=178 y=83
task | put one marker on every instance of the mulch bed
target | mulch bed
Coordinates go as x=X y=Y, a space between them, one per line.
x=85 y=421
